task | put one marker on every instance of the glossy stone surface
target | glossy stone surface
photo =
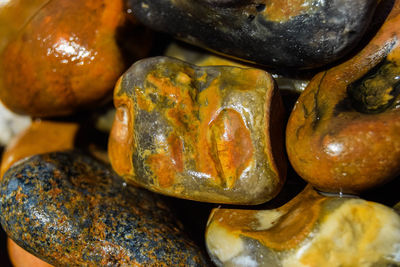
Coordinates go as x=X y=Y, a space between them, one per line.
x=309 y=231
x=342 y=134
x=40 y=137
x=210 y=134
x=279 y=34
x=66 y=57
x=14 y=14
x=69 y=209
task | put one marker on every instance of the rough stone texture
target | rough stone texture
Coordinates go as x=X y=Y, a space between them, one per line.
x=280 y=34
x=342 y=134
x=69 y=209
x=309 y=231
x=210 y=134
x=40 y=137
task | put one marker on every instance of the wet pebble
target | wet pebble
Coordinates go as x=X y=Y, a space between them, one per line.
x=279 y=34
x=68 y=209
x=211 y=134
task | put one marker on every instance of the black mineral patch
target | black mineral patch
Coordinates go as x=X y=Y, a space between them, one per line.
x=322 y=33
x=377 y=90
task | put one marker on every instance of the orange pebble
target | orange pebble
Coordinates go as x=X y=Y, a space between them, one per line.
x=21 y=258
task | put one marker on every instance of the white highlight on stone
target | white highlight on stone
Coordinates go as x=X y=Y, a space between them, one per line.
x=4 y=2
x=70 y=50
x=334 y=149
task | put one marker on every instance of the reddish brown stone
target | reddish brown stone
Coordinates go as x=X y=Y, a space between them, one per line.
x=67 y=57
x=21 y=258
x=343 y=134
x=14 y=14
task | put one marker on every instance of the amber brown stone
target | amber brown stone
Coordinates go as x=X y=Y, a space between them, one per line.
x=310 y=230
x=203 y=133
x=66 y=57
x=21 y=258
x=343 y=132
x=14 y=14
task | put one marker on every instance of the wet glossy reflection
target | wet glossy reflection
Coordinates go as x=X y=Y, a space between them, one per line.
x=342 y=133
x=310 y=230
x=204 y=133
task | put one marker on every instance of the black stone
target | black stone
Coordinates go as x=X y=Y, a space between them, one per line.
x=321 y=34
x=68 y=209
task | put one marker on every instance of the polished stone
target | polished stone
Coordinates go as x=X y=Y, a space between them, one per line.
x=67 y=55
x=210 y=134
x=342 y=135
x=310 y=230
x=280 y=34
x=14 y=15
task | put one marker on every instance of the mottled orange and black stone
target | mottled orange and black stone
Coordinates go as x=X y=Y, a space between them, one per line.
x=343 y=133
x=210 y=134
x=66 y=56
x=69 y=209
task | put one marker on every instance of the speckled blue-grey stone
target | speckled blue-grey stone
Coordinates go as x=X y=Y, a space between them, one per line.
x=69 y=209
